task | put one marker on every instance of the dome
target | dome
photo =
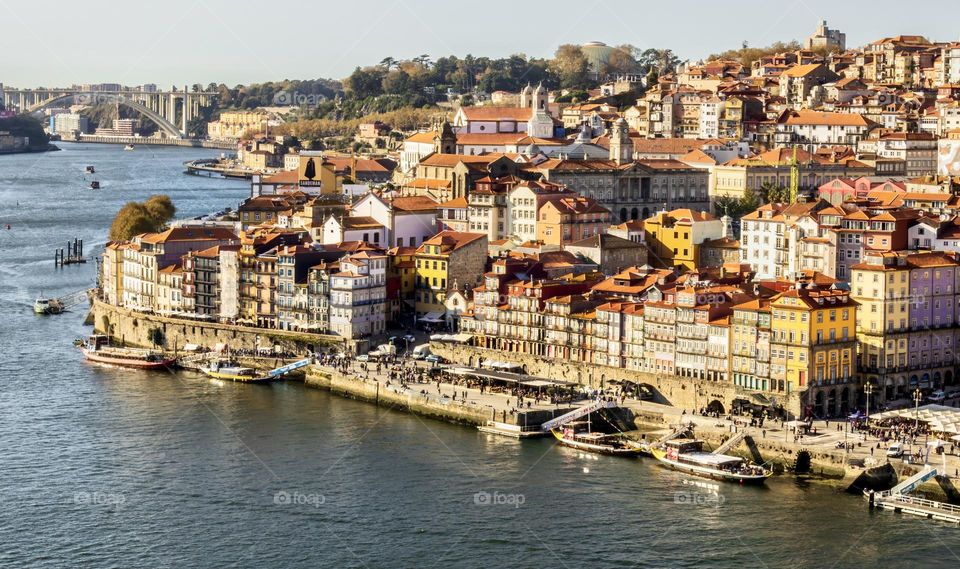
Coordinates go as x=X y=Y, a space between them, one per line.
x=531 y=150
x=526 y=90
x=597 y=54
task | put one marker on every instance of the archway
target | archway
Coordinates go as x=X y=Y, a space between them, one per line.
x=716 y=406
x=831 y=403
x=646 y=212
x=623 y=214
x=936 y=379
x=844 y=402
x=634 y=214
x=818 y=403
x=948 y=377
x=163 y=124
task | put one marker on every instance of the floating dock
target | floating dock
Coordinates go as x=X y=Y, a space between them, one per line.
x=898 y=499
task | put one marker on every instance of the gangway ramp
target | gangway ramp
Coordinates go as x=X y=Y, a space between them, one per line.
x=910 y=484
x=731 y=442
x=284 y=370
x=577 y=413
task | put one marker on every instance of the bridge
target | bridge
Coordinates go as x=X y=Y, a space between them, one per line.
x=171 y=111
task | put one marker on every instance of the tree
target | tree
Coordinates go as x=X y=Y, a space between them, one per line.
x=621 y=61
x=771 y=192
x=366 y=82
x=663 y=60
x=746 y=55
x=388 y=63
x=160 y=208
x=571 y=66
x=135 y=218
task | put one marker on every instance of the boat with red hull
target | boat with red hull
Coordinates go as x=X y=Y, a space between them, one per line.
x=97 y=349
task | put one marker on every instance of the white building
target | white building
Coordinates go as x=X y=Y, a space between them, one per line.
x=358 y=296
x=408 y=220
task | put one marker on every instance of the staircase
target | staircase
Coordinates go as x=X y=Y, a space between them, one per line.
x=731 y=442
x=577 y=413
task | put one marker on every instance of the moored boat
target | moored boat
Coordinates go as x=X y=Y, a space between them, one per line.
x=97 y=349
x=128 y=147
x=687 y=455
x=218 y=370
x=90 y=170
x=600 y=443
x=94 y=185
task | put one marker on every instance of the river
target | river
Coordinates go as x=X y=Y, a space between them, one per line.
x=103 y=467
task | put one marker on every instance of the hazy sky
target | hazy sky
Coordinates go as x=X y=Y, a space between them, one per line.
x=173 y=42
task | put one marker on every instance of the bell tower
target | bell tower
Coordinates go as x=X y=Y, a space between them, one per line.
x=621 y=147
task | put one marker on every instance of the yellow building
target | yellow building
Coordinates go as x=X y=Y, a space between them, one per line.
x=674 y=238
x=233 y=124
x=447 y=261
x=813 y=345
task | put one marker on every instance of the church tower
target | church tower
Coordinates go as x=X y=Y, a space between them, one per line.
x=621 y=147
x=525 y=97
x=446 y=141
x=540 y=97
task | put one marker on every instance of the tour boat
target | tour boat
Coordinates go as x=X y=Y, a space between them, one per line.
x=128 y=147
x=94 y=185
x=47 y=306
x=90 y=170
x=218 y=370
x=600 y=443
x=687 y=455
x=97 y=349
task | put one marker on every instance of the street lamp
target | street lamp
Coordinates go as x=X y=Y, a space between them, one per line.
x=917 y=396
x=868 y=389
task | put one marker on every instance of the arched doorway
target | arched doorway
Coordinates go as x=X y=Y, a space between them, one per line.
x=634 y=214
x=623 y=214
x=844 y=402
x=818 y=403
x=831 y=403
x=948 y=377
x=646 y=212
x=936 y=379
x=716 y=406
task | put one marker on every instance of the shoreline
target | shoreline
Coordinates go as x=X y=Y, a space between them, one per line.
x=829 y=467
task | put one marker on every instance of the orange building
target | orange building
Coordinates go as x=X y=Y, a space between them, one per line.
x=569 y=219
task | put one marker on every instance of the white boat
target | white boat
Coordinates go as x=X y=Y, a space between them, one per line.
x=47 y=306
x=687 y=455
x=128 y=147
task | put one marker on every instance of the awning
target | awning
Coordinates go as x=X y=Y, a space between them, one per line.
x=190 y=347
x=432 y=317
x=462 y=338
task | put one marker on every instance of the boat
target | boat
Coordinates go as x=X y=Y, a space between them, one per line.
x=48 y=306
x=600 y=443
x=222 y=370
x=687 y=455
x=94 y=185
x=128 y=147
x=90 y=170
x=97 y=349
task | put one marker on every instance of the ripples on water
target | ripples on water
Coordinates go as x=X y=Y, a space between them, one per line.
x=106 y=467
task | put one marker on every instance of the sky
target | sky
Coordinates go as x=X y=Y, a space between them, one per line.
x=177 y=42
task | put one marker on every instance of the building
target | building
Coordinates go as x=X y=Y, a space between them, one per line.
x=610 y=253
x=234 y=125
x=826 y=39
x=674 y=238
x=447 y=261
x=813 y=348
x=358 y=296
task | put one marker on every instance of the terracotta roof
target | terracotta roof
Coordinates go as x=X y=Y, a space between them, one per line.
x=451 y=240
x=189 y=234
x=804 y=117
x=413 y=204
x=496 y=113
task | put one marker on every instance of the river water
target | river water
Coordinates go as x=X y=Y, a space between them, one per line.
x=103 y=467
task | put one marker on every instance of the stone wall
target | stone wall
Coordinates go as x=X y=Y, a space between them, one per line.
x=685 y=393
x=134 y=329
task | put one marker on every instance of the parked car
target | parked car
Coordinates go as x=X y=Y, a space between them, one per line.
x=895 y=450
x=937 y=397
x=363 y=358
x=434 y=359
